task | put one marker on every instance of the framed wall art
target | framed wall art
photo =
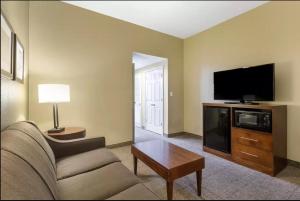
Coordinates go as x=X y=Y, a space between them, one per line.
x=18 y=69
x=7 y=48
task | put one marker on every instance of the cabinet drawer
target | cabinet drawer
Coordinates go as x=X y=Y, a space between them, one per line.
x=254 y=139
x=252 y=156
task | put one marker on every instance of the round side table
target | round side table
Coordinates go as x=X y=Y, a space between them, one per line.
x=69 y=133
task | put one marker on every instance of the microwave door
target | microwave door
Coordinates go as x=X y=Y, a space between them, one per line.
x=249 y=120
x=261 y=121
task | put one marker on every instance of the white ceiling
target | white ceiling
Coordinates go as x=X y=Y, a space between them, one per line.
x=142 y=60
x=177 y=18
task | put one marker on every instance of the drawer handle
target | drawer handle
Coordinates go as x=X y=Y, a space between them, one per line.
x=249 y=139
x=255 y=156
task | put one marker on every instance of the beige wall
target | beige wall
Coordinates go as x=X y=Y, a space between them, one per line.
x=14 y=95
x=75 y=46
x=93 y=54
x=270 y=33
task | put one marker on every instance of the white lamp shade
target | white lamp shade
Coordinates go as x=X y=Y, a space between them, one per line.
x=53 y=93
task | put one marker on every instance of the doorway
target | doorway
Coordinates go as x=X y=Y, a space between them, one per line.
x=150 y=96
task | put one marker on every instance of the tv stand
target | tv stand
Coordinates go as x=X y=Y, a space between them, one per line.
x=251 y=103
x=263 y=151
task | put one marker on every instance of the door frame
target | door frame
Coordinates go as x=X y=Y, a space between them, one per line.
x=141 y=107
x=165 y=67
x=133 y=100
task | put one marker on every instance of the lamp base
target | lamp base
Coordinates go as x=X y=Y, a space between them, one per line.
x=56 y=130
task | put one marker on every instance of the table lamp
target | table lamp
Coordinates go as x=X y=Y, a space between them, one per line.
x=54 y=93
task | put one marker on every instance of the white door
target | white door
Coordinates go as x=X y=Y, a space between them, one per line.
x=154 y=100
x=138 y=101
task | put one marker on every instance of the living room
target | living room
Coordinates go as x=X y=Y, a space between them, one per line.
x=86 y=49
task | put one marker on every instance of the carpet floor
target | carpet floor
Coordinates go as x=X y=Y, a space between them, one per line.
x=222 y=179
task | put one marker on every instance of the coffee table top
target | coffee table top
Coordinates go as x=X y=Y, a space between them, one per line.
x=167 y=154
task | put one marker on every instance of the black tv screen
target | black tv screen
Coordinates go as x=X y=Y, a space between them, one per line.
x=246 y=84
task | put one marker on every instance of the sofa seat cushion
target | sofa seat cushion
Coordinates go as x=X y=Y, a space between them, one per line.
x=84 y=162
x=136 y=192
x=99 y=184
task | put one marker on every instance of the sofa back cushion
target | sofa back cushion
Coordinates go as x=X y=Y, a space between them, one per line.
x=28 y=148
x=32 y=130
x=20 y=181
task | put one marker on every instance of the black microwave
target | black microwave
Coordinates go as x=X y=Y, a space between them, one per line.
x=252 y=119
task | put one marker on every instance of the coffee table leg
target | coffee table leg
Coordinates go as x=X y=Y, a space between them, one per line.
x=199 y=181
x=135 y=161
x=170 y=190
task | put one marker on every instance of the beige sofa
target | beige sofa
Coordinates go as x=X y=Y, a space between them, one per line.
x=34 y=166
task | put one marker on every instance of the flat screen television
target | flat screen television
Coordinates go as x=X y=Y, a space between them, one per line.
x=255 y=83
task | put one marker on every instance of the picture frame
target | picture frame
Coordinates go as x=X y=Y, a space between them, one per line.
x=7 y=48
x=18 y=64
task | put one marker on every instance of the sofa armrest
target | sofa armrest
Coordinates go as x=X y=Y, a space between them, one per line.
x=63 y=148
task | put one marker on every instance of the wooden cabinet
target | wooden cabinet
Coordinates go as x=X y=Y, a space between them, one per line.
x=263 y=151
x=252 y=149
x=255 y=139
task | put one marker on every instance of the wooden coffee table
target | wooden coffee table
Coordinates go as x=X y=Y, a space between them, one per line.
x=169 y=161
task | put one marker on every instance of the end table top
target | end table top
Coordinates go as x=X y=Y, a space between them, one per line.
x=167 y=154
x=69 y=133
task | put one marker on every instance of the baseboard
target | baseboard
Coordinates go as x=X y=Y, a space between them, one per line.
x=171 y=135
x=294 y=163
x=194 y=135
x=122 y=144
